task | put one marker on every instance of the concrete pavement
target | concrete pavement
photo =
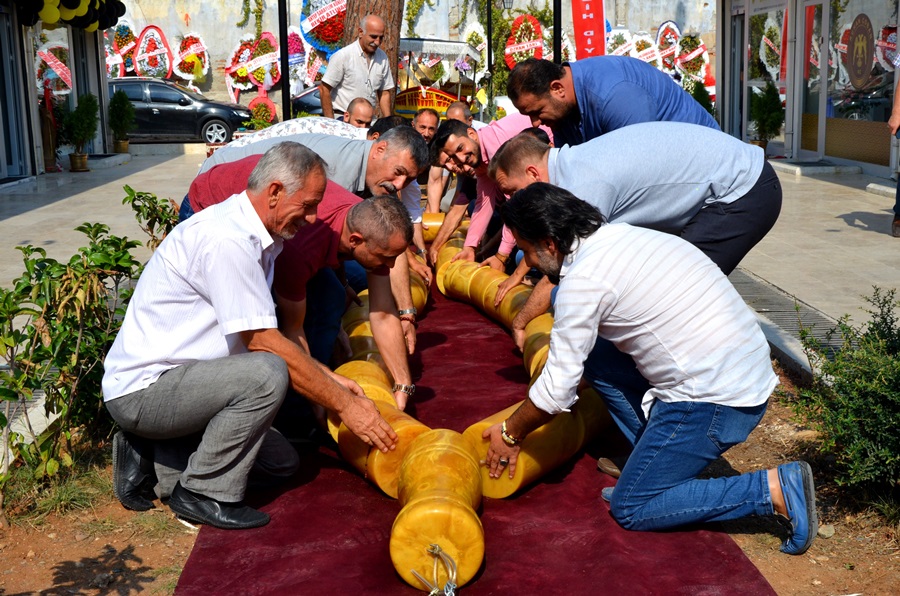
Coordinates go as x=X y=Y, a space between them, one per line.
x=831 y=244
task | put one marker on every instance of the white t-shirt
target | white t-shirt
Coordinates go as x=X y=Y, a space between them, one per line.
x=210 y=279
x=351 y=74
x=661 y=300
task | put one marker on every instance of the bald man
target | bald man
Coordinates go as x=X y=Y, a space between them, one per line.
x=360 y=69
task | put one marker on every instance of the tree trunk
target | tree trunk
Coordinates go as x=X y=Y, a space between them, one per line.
x=392 y=13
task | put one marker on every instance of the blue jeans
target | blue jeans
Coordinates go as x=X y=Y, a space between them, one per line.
x=615 y=377
x=356 y=276
x=186 y=211
x=325 y=302
x=659 y=487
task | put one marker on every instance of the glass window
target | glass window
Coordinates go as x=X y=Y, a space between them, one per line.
x=134 y=91
x=163 y=94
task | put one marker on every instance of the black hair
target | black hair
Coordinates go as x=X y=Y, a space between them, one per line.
x=538 y=133
x=534 y=77
x=541 y=211
x=384 y=124
x=448 y=128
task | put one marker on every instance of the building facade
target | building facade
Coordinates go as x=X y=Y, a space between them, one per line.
x=833 y=62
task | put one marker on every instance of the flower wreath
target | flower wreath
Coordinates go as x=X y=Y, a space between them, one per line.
x=667 y=37
x=770 y=47
x=296 y=55
x=50 y=67
x=691 y=57
x=840 y=70
x=263 y=67
x=525 y=41
x=192 y=61
x=153 y=58
x=322 y=24
x=618 y=43
x=566 y=49
x=644 y=48
x=236 y=73
x=124 y=43
x=475 y=36
x=315 y=66
x=115 y=66
x=886 y=47
x=262 y=108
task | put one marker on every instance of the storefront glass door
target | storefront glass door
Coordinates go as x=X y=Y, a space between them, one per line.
x=814 y=68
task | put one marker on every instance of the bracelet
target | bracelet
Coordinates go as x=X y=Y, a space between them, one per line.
x=508 y=438
x=502 y=257
x=421 y=252
x=408 y=311
x=407 y=389
x=408 y=319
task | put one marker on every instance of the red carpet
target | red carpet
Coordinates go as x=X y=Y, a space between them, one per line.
x=330 y=528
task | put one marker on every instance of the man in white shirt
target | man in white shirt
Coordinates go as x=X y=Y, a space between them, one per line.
x=667 y=305
x=359 y=70
x=199 y=359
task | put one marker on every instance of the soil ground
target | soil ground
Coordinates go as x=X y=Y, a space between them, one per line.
x=105 y=549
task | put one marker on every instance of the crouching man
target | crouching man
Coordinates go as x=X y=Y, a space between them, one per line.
x=199 y=368
x=666 y=304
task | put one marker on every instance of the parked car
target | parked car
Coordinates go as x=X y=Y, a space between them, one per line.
x=307 y=101
x=167 y=111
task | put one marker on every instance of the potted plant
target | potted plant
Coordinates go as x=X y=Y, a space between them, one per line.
x=767 y=114
x=121 y=120
x=81 y=126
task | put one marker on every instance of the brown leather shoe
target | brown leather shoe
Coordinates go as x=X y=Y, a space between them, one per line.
x=895 y=227
x=608 y=466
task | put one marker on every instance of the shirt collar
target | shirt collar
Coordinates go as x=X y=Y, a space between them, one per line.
x=361 y=180
x=256 y=225
x=569 y=259
x=551 y=166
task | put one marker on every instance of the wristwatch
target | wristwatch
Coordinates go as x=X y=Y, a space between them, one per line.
x=407 y=389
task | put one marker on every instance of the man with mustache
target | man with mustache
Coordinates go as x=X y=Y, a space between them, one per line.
x=359 y=70
x=199 y=368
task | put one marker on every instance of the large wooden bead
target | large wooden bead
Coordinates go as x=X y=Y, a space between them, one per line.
x=440 y=489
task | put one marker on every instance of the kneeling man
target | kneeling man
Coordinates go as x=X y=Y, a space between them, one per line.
x=199 y=360
x=668 y=306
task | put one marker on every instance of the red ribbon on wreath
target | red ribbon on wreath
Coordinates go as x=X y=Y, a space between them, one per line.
x=525 y=41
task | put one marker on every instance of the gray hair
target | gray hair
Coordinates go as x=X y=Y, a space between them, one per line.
x=379 y=218
x=289 y=163
x=401 y=138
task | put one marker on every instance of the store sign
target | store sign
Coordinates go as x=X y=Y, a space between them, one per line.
x=861 y=51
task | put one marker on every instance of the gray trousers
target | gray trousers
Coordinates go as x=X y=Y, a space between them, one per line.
x=210 y=424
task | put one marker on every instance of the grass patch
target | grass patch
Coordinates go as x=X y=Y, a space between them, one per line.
x=30 y=501
x=155 y=525
x=98 y=527
x=168 y=578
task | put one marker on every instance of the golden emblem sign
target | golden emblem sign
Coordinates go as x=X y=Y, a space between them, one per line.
x=861 y=51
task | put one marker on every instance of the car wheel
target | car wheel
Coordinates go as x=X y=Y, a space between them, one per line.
x=216 y=131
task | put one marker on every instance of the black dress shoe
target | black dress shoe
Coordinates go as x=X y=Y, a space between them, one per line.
x=205 y=510
x=133 y=475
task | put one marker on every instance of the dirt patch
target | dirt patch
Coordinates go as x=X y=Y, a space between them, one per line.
x=107 y=549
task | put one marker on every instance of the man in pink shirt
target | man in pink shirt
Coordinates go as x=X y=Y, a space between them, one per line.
x=463 y=150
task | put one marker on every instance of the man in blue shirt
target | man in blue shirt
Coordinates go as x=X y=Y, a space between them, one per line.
x=585 y=99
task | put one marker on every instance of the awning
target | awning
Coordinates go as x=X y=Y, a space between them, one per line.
x=438 y=46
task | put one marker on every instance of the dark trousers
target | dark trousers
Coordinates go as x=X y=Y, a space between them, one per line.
x=726 y=232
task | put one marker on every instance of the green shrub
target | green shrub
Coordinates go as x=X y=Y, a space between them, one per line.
x=121 y=115
x=81 y=123
x=766 y=112
x=854 y=400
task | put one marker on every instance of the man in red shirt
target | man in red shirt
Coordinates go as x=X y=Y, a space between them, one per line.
x=346 y=227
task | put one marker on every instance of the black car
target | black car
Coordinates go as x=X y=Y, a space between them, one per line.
x=165 y=110
x=307 y=101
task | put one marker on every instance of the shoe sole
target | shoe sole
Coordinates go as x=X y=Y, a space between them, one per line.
x=117 y=455
x=812 y=517
x=199 y=519
x=607 y=466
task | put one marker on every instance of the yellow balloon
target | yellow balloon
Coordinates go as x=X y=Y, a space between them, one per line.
x=49 y=14
x=92 y=27
x=66 y=14
x=82 y=8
